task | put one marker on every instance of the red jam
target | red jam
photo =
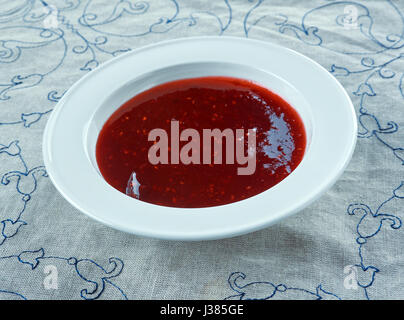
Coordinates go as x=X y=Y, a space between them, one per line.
x=201 y=103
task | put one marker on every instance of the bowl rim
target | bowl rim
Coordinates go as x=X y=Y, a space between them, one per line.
x=203 y=223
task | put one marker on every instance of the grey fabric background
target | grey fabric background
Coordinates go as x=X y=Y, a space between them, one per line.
x=356 y=227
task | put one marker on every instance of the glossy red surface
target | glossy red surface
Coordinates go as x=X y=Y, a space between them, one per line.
x=200 y=103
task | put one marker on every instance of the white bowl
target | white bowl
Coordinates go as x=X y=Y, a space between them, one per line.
x=72 y=130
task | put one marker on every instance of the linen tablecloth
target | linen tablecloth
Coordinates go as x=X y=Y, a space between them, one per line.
x=347 y=245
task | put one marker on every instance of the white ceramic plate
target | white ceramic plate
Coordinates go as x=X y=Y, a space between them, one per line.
x=72 y=130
